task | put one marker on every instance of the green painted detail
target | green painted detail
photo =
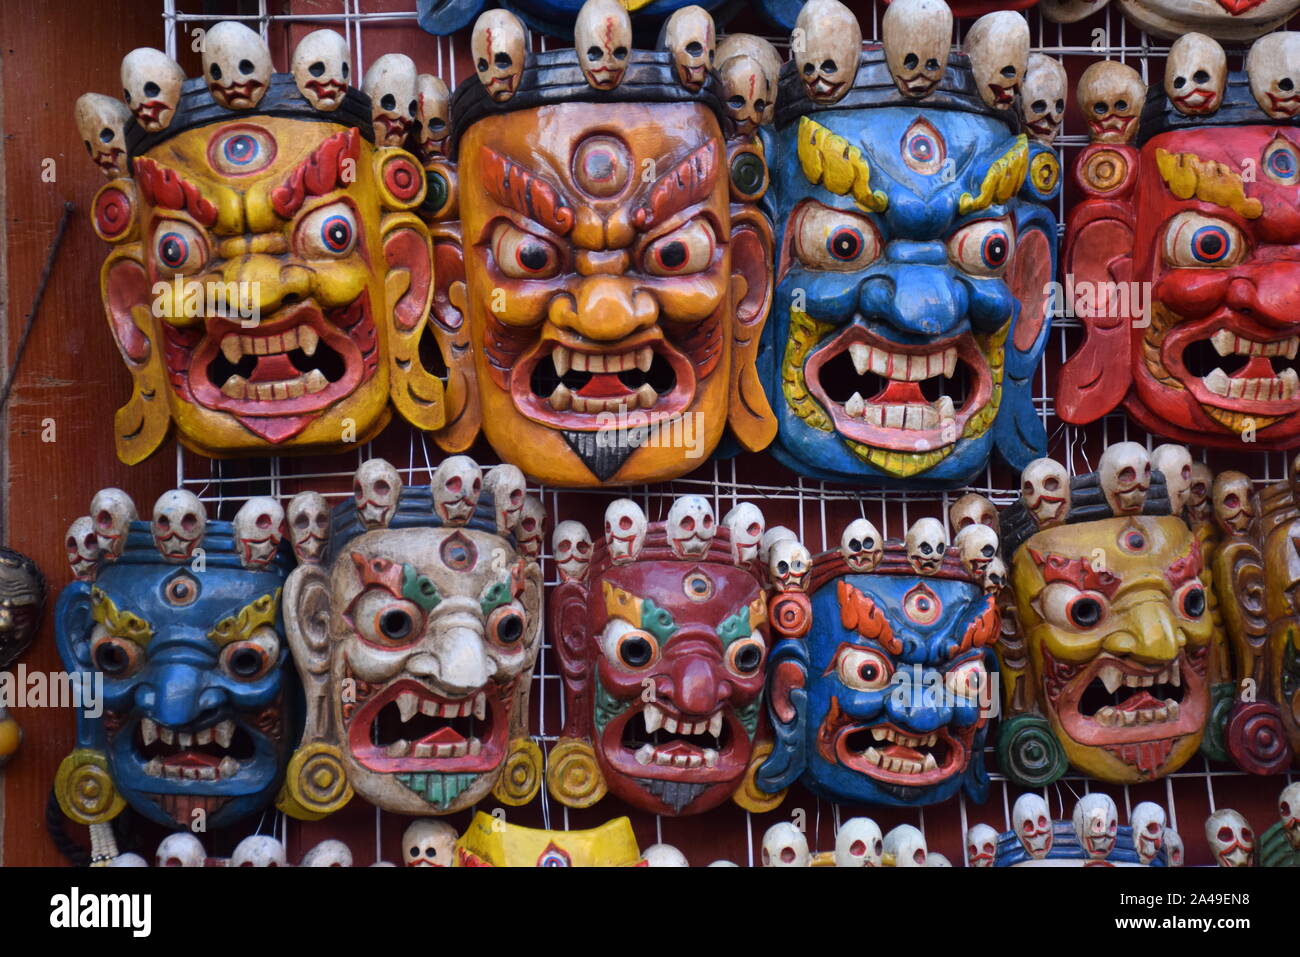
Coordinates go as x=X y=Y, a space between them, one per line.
x=494 y=596
x=748 y=173
x=1276 y=850
x=748 y=716
x=657 y=620
x=607 y=707
x=436 y=789
x=1213 y=745
x=735 y=626
x=1029 y=753
x=1290 y=667
x=419 y=588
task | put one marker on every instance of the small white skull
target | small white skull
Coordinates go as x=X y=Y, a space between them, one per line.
x=181 y=849
x=1195 y=74
x=1288 y=810
x=602 y=38
x=101 y=124
x=918 y=37
x=926 y=544
x=390 y=84
x=1174 y=462
x=1045 y=491
x=1110 y=96
x=571 y=543
x=328 y=853
x=784 y=846
x=746 y=525
x=861 y=545
x=83 y=548
x=858 y=843
x=998 y=47
x=1199 y=508
x=750 y=94
x=973 y=509
x=995 y=577
x=259 y=529
x=773 y=535
x=531 y=529
x=113 y=512
x=789 y=565
x=1096 y=825
x=322 y=69
x=1148 y=824
x=433 y=114
x=1273 y=68
x=906 y=845
x=236 y=65
x=690 y=37
x=1233 y=497
x=826 y=43
x=1033 y=823
x=625 y=527
x=376 y=487
x=935 y=859
x=497 y=45
x=128 y=860
x=978 y=546
x=981 y=846
x=1173 y=848
x=151 y=86
x=507 y=485
x=691 y=526
x=1042 y=99
x=179 y=521
x=457 y=484
x=1230 y=838
x=308 y=515
x=428 y=843
x=259 y=850
x=664 y=855
x=1125 y=475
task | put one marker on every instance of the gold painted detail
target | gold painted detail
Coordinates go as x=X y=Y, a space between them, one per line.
x=241 y=625
x=120 y=624
x=1188 y=176
x=805 y=333
x=1002 y=181
x=829 y=159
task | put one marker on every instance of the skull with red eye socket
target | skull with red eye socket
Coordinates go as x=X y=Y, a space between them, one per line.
x=1230 y=838
x=981 y=846
x=457 y=483
x=687 y=249
x=571 y=543
x=179 y=249
x=1148 y=823
x=531 y=528
x=691 y=526
x=859 y=843
x=1288 y=809
x=252 y=658
x=523 y=255
x=83 y=548
x=1033 y=825
x=863 y=669
x=984 y=247
x=328 y=232
x=376 y=488
x=834 y=239
x=746 y=525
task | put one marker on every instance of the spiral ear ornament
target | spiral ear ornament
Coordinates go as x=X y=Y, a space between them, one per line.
x=1029 y=753
x=85 y=790
x=521 y=777
x=749 y=795
x=315 y=784
x=572 y=775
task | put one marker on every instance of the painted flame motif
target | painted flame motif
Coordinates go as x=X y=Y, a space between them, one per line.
x=860 y=614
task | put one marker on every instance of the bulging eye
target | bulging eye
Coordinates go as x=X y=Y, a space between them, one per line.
x=242 y=150
x=863 y=669
x=1189 y=601
x=522 y=255
x=1282 y=162
x=506 y=626
x=636 y=649
x=966 y=679
x=385 y=620
x=688 y=249
x=115 y=657
x=254 y=658
x=1192 y=239
x=745 y=657
x=1065 y=606
x=922 y=606
x=329 y=232
x=178 y=248
x=835 y=239
x=984 y=247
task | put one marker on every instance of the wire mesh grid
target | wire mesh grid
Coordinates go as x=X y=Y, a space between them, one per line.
x=816 y=510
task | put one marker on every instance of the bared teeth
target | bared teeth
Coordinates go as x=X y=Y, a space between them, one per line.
x=223 y=732
x=480 y=706
x=407 y=705
x=148 y=732
x=860 y=353
x=398 y=748
x=1227 y=343
x=561 y=399
x=715 y=725
x=236 y=387
x=646 y=396
x=653 y=717
x=231 y=350
x=560 y=358
x=308 y=340
x=315 y=381
x=644 y=357
x=855 y=406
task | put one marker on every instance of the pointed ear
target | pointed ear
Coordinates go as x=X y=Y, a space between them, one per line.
x=569 y=627
x=748 y=413
x=450 y=327
x=306 y=610
x=408 y=290
x=788 y=710
x=140 y=426
x=1098 y=255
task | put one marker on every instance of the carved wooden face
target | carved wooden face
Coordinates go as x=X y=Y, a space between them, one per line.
x=694 y=632
x=1216 y=362
x=256 y=309
x=609 y=287
x=22 y=595
x=1118 y=658
x=1224 y=19
x=423 y=662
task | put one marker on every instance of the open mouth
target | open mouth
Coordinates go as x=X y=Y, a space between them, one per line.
x=241 y=94
x=656 y=743
x=327 y=90
x=1111 y=124
x=1197 y=99
x=824 y=87
x=107 y=160
x=213 y=753
x=887 y=753
x=1288 y=105
x=1003 y=94
x=1239 y=374
x=568 y=386
x=917 y=84
x=407 y=727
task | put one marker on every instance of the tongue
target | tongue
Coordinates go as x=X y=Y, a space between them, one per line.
x=677 y=748
x=901 y=393
x=444 y=735
x=191 y=759
x=604 y=385
x=1141 y=699
x=275 y=368
x=898 y=751
x=1259 y=367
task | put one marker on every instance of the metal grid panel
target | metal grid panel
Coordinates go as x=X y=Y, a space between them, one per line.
x=817 y=510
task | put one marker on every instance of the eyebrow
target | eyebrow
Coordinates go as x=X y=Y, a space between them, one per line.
x=689 y=182
x=860 y=614
x=322 y=172
x=241 y=625
x=1188 y=567
x=516 y=188
x=1188 y=176
x=830 y=160
x=1002 y=180
x=118 y=623
x=168 y=189
x=1078 y=572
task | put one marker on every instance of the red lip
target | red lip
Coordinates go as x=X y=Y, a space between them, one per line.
x=732 y=755
x=240 y=93
x=1187 y=332
x=327 y=89
x=1112 y=124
